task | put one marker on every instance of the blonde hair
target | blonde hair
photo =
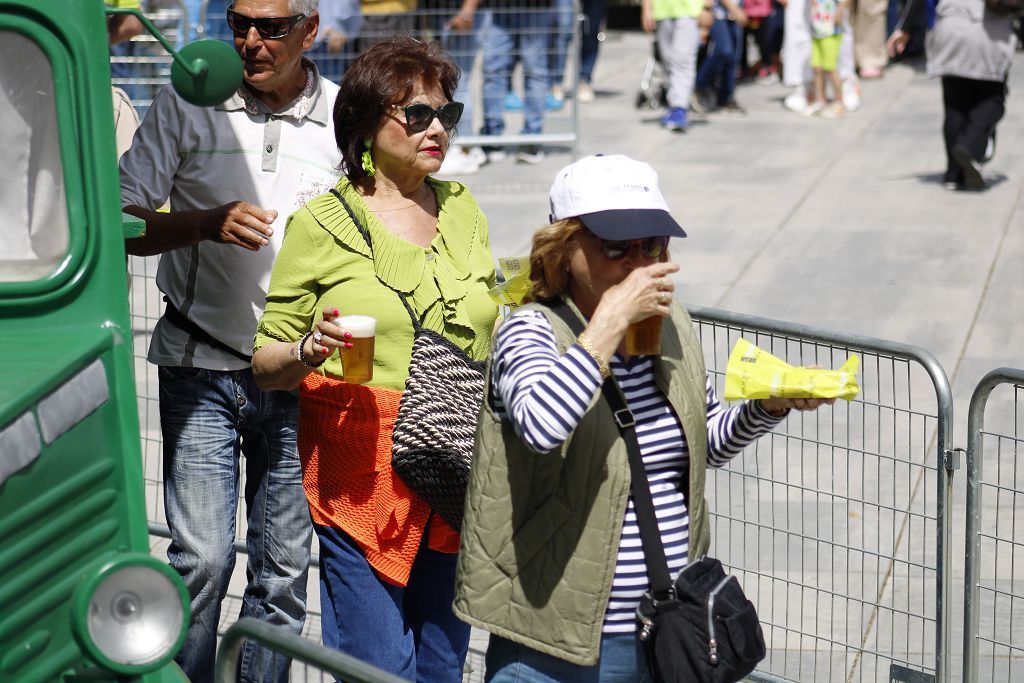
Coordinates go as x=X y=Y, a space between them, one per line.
x=553 y=246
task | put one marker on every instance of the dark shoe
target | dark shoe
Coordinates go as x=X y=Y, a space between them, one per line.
x=953 y=179
x=700 y=102
x=971 y=168
x=732 y=108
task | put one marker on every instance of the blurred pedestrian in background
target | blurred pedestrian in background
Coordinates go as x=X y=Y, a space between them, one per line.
x=971 y=49
x=674 y=23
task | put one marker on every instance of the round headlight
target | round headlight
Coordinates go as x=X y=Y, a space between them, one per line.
x=131 y=614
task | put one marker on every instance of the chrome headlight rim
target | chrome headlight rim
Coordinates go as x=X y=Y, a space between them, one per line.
x=94 y=579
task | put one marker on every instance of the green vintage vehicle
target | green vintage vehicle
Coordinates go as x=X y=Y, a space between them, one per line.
x=82 y=597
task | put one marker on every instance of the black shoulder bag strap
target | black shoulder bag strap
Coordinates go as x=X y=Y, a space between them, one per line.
x=643 y=504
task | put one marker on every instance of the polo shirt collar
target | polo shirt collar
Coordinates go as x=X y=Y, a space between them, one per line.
x=311 y=103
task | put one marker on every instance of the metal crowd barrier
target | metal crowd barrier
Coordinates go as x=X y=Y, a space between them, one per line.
x=336 y=663
x=145 y=67
x=837 y=523
x=994 y=592
x=142 y=66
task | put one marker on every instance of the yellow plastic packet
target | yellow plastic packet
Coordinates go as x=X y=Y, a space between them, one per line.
x=753 y=373
x=516 y=286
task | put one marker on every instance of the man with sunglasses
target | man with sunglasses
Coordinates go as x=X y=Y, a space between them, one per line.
x=232 y=173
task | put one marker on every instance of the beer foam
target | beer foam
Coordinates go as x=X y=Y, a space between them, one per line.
x=357 y=325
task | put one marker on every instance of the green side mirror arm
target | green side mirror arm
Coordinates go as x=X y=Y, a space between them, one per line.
x=195 y=69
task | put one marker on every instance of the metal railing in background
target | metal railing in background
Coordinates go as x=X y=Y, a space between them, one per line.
x=140 y=69
x=837 y=523
x=141 y=66
x=994 y=578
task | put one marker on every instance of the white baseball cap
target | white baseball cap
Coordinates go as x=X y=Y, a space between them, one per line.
x=616 y=197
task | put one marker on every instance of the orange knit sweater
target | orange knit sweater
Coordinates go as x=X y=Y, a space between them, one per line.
x=345 y=447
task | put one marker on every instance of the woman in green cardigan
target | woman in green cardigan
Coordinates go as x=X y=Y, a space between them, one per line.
x=388 y=229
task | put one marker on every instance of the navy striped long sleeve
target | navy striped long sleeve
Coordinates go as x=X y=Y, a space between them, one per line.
x=545 y=395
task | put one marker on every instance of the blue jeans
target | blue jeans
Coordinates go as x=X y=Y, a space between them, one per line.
x=506 y=36
x=720 y=61
x=559 y=40
x=208 y=419
x=409 y=631
x=621 y=661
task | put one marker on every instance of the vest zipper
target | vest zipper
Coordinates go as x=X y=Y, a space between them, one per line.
x=712 y=642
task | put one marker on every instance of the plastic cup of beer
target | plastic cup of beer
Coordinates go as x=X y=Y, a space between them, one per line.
x=643 y=338
x=357 y=362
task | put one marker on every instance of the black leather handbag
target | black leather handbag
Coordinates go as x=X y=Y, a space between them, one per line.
x=700 y=628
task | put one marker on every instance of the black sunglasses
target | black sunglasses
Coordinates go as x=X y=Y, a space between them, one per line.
x=269 y=28
x=419 y=116
x=616 y=250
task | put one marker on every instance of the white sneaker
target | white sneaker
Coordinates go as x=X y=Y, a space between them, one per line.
x=495 y=155
x=796 y=100
x=478 y=155
x=584 y=93
x=530 y=154
x=458 y=161
x=811 y=109
x=851 y=94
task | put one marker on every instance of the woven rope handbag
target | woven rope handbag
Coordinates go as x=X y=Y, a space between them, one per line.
x=433 y=436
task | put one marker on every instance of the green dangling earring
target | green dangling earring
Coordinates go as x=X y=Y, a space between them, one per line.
x=367 y=158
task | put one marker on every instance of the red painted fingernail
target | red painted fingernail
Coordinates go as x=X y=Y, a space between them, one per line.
x=324 y=350
x=336 y=312
x=348 y=346
x=348 y=335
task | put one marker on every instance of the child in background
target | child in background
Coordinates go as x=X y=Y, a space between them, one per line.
x=826 y=37
x=678 y=39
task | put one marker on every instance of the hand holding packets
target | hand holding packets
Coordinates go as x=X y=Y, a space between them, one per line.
x=756 y=374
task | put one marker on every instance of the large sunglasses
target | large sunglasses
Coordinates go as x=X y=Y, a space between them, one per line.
x=616 y=250
x=269 y=28
x=418 y=117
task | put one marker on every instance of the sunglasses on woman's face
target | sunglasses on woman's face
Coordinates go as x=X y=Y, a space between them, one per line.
x=269 y=28
x=419 y=116
x=616 y=250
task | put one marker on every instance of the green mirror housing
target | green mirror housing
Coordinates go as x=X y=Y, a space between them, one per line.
x=216 y=73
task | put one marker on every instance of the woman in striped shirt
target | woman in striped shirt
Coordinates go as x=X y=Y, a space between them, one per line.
x=606 y=253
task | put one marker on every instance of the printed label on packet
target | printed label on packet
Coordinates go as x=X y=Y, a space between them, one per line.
x=516 y=286
x=754 y=373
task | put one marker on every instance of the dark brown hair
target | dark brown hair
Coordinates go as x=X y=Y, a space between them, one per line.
x=384 y=75
x=553 y=246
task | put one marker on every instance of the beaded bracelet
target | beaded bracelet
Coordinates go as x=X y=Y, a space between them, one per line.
x=588 y=346
x=301 y=357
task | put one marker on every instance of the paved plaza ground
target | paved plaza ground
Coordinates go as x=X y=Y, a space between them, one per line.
x=838 y=224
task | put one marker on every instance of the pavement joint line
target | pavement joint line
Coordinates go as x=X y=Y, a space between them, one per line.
x=997 y=252
x=868 y=123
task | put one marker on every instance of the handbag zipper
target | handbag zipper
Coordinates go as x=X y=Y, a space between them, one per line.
x=712 y=642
